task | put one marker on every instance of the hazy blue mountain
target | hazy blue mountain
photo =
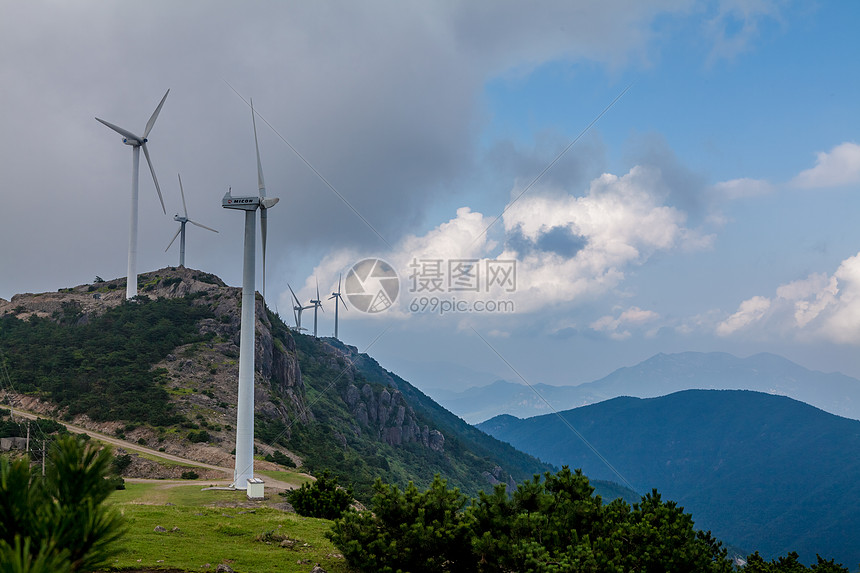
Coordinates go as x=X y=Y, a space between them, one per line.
x=762 y=472
x=664 y=374
x=480 y=403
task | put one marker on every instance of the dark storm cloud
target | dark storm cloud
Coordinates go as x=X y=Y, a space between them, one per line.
x=582 y=163
x=685 y=187
x=384 y=100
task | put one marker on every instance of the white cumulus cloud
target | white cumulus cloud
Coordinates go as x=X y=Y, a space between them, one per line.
x=617 y=327
x=566 y=247
x=750 y=311
x=821 y=306
x=839 y=166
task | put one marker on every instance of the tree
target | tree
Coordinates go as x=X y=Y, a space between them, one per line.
x=59 y=522
x=790 y=564
x=407 y=531
x=549 y=524
x=321 y=498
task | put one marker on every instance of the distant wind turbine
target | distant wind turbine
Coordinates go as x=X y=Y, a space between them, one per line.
x=244 y=469
x=136 y=142
x=297 y=309
x=317 y=304
x=337 y=299
x=182 y=220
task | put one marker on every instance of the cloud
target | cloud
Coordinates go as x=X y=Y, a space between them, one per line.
x=565 y=247
x=737 y=24
x=819 y=307
x=749 y=312
x=839 y=166
x=743 y=187
x=616 y=327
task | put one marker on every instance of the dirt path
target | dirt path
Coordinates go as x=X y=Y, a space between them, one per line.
x=126 y=445
x=270 y=482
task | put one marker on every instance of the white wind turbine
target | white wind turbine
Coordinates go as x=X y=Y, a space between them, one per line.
x=297 y=309
x=317 y=303
x=136 y=142
x=181 y=231
x=337 y=299
x=244 y=469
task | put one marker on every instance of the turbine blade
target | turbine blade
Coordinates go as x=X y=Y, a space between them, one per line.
x=338 y=283
x=184 y=208
x=179 y=230
x=154 y=178
x=343 y=302
x=203 y=226
x=261 y=185
x=123 y=132
x=294 y=295
x=296 y=316
x=152 y=119
x=318 y=287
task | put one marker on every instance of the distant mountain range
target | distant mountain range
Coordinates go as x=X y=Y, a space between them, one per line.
x=762 y=472
x=661 y=375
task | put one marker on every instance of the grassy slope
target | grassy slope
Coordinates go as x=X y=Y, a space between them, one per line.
x=210 y=533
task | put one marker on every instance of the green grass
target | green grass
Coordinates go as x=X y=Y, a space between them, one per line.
x=163 y=461
x=213 y=534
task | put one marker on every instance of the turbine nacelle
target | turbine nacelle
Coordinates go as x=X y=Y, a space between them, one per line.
x=243 y=203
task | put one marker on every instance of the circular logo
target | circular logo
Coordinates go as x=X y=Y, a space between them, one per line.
x=372 y=285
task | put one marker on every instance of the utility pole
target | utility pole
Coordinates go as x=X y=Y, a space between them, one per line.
x=28 y=437
x=43 y=457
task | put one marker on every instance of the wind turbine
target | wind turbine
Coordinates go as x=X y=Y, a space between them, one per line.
x=337 y=299
x=182 y=220
x=297 y=310
x=244 y=469
x=136 y=142
x=316 y=304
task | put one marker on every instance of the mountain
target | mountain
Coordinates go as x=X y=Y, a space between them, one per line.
x=763 y=472
x=161 y=370
x=664 y=374
x=480 y=403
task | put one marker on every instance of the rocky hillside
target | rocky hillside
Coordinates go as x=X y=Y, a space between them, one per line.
x=162 y=371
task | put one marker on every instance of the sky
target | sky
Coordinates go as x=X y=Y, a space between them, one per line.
x=560 y=188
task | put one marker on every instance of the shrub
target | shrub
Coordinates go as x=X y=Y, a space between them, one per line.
x=321 y=498
x=280 y=457
x=199 y=437
x=120 y=463
x=190 y=474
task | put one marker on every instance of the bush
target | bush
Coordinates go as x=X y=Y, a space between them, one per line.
x=407 y=531
x=120 y=463
x=198 y=437
x=550 y=525
x=321 y=498
x=281 y=458
x=190 y=474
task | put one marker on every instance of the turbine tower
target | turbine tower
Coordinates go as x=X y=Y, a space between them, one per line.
x=182 y=220
x=244 y=469
x=297 y=310
x=136 y=142
x=317 y=303
x=337 y=299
